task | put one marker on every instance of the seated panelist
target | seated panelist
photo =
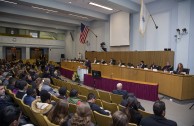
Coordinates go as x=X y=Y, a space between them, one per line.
x=103 y=61
x=141 y=65
x=179 y=69
x=168 y=67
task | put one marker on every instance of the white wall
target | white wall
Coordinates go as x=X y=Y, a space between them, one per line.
x=119 y=29
x=55 y=54
x=99 y=28
x=191 y=39
x=70 y=46
x=102 y=30
x=168 y=15
x=182 y=45
x=1 y=52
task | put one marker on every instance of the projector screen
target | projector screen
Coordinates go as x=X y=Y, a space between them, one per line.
x=119 y=29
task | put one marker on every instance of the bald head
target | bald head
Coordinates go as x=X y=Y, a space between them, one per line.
x=119 y=86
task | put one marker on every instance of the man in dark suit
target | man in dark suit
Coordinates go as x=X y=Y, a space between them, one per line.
x=119 y=90
x=158 y=118
x=95 y=107
x=141 y=65
x=88 y=65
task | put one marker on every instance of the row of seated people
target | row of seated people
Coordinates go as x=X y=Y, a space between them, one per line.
x=167 y=68
x=42 y=88
x=52 y=110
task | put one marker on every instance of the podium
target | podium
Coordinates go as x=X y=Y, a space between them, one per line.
x=81 y=71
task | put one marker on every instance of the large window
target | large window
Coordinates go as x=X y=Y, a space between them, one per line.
x=34 y=34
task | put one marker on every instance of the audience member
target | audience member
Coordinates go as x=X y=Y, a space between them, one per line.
x=73 y=97
x=11 y=84
x=38 y=85
x=91 y=100
x=42 y=105
x=22 y=89
x=120 y=119
x=158 y=118
x=46 y=86
x=9 y=116
x=82 y=117
x=124 y=101
x=119 y=90
x=62 y=93
x=132 y=112
x=6 y=80
x=59 y=114
x=30 y=97
x=5 y=100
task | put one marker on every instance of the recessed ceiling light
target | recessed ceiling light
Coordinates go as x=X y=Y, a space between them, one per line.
x=69 y=2
x=78 y=16
x=8 y=2
x=101 y=6
x=48 y=10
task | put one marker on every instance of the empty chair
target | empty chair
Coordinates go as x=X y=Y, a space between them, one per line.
x=67 y=85
x=116 y=98
x=83 y=91
x=82 y=97
x=186 y=70
x=112 y=107
x=102 y=120
x=104 y=96
x=54 y=87
x=75 y=86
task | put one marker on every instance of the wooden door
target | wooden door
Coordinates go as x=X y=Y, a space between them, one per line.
x=13 y=53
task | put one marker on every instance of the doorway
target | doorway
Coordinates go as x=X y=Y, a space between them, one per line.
x=13 y=53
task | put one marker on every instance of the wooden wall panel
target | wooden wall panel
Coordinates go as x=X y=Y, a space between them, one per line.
x=149 y=57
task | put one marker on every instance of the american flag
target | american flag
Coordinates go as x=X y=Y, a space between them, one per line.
x=84 y=33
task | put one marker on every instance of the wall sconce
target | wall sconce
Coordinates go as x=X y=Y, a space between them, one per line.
x=180 y=33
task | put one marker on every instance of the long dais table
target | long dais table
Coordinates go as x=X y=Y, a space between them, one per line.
x=143 y=90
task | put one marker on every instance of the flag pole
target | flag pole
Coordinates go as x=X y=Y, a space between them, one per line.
x=95 y=36
x=154 y=21
x=93 y=33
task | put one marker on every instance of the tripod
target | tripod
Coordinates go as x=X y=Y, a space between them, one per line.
x=191 y=106
x=94 y=85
